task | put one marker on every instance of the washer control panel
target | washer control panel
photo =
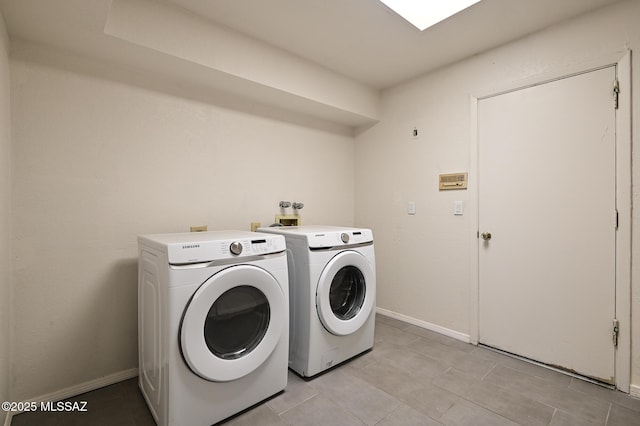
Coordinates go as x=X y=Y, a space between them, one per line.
x=249 y=247
x=197 y=248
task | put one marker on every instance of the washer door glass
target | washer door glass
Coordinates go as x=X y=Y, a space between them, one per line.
x=347 y=292
x=233 y=323
x=237 y=322
x=345 y=296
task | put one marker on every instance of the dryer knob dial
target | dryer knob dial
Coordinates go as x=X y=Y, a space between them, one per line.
x=344 y=237
x=236 y=247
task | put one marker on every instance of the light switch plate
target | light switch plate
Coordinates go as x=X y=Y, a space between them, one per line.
x=458 y=208
x=411 y=207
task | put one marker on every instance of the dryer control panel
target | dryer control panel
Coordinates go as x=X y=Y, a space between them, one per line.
x=339 y=238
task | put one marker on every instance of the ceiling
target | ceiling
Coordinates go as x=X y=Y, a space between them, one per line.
x=360 y=39
x=366 y=41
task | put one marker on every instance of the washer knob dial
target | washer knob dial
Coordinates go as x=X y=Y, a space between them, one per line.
x=236 y=247
x=344 y=237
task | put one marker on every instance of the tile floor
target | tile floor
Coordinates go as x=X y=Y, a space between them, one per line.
x=411 y=377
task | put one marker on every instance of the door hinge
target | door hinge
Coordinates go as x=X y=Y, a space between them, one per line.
x=616 y=330
x=616 y=93
x=617 y=219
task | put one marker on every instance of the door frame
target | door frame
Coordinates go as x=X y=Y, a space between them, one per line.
x=622 y=61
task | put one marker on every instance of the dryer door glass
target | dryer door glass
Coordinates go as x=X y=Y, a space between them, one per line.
x=347 y=292
x=237 y=322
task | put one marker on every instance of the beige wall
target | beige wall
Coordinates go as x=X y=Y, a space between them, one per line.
x=5 y=215
x=424 y=260
x=98 y=161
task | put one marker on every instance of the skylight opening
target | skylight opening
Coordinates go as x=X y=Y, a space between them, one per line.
x=423 y=14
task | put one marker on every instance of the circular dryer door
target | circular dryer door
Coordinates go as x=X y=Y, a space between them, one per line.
x=232 y=323
x=346 y=293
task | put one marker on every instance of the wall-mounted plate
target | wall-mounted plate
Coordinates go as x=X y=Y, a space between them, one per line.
x=453 y=181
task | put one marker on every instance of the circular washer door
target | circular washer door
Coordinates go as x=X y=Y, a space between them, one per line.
x=233 y=323
x=346 y=293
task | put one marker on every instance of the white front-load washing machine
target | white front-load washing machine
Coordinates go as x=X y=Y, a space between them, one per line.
x=213 y=323
x=332 y=293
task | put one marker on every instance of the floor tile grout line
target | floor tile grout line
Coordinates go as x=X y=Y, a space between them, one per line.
x=299 y=404
x=547 y=367
x=484 y=407
x=606 y=420
x=555 y=410
x=527 y=395
x=489 y=372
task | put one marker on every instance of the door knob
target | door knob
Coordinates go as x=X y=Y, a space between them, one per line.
x=486 y=236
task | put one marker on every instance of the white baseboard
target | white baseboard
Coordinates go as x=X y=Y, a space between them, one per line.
x=426 y=325
x=79 y=389
x=634 y=391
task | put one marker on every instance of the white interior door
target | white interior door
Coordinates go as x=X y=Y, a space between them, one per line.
x=547 y=176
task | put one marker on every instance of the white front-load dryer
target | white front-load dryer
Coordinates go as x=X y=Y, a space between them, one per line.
x=332 y=293
x=213 y=323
